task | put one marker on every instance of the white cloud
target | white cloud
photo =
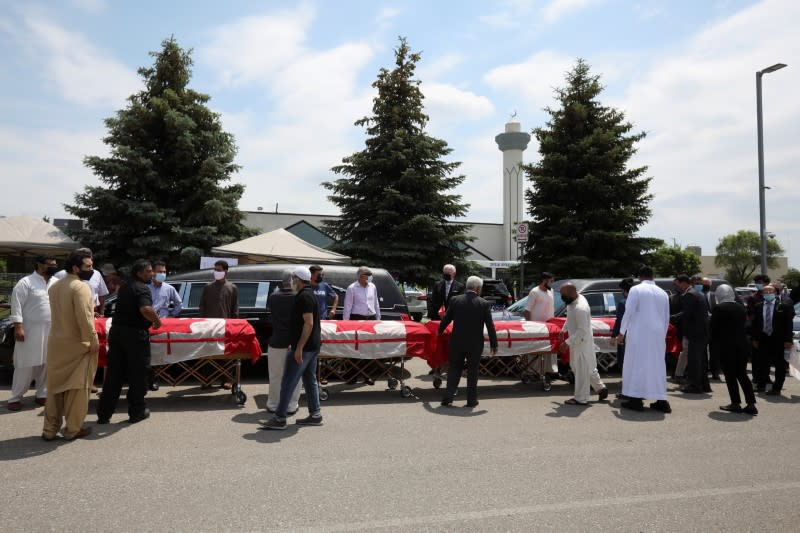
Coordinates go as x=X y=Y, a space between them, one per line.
x=448 y=103
x=90 y=6
x=83 y=73
x=557 y=9
x=254 y=49
x=315 y=94
x=532 y=80
x=386 y=14
x=433 y=68
x=46 y=166
x=699 y=108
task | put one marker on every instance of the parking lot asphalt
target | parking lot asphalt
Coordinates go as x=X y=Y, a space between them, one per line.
x=520 y=461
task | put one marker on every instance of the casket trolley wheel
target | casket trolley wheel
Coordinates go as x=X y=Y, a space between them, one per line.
x=323 y=394
x=405 y=391
x=526 y=379
x=392 y=383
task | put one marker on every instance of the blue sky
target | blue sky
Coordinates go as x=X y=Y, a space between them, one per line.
x=290 y=78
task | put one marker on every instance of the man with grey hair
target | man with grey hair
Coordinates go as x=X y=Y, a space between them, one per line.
x=444 y=289
x=470 y=314
x=280 y=304
x=361 y=298
x=305 y=340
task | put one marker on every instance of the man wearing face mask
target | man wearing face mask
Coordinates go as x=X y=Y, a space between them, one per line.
x=445 y=288
x=713 y=355
x=694 y=329
x=72 y=349
x=129 y=345
x=541 y=308
x=323 y=291
x=760 y=280
x=361 y=299
x=771 y=334
x=220 y=298
x=164 y=295
x=30 y=314
x=96 y=283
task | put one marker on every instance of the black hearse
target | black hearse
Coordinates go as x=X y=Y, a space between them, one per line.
x=256 y=282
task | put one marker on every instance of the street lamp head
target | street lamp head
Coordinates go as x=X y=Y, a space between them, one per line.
x=773 y=68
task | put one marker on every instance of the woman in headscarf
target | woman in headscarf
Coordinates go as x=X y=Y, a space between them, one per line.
x=728 y=336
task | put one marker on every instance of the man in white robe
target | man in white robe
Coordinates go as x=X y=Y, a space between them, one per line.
x=582 y=358
x=644 y=332
x=30 y=314
x=540 y=308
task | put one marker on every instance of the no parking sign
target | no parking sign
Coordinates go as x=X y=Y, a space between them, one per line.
x=522 y=232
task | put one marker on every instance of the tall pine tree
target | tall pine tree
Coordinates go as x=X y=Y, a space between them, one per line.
x=162 y=194
x=586 y=204
x=393 y=199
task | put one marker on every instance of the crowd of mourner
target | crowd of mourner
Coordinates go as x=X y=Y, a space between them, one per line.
x=53 y=311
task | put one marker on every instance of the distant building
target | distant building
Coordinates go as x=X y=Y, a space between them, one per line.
x=709 y=269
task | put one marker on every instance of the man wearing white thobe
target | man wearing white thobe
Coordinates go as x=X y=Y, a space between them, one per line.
x=580 y=341
x=30 y=314
x=540 y=308
x=644 y=332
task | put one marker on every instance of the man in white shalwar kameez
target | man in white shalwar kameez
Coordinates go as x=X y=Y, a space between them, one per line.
x=644 y=332
x=30 y=314
x=582 y=357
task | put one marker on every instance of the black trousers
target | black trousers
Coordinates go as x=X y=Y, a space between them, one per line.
x=734 y=366
x=456 y=361
x=714 y=364
x=770 y=353
x=128 y=357
x=696 y=363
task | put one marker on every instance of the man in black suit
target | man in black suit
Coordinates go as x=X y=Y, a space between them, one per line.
x=445 y=288
x=469 y=314
x=771 y=334
x=694 y=329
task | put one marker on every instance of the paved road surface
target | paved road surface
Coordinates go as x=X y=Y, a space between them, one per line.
x=521 y=461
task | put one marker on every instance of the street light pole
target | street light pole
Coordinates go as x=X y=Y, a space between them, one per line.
x=761 y=186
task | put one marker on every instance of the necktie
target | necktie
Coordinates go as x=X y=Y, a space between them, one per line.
x=768 y=320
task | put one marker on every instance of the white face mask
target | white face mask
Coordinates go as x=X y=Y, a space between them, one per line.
x=219 y=275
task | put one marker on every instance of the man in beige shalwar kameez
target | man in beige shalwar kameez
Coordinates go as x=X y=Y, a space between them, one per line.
x=72 y=351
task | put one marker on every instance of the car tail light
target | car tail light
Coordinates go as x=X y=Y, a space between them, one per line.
x=406 y=317
x=422 y=297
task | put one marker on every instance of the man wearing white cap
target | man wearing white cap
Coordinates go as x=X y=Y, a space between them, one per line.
x=301 y=358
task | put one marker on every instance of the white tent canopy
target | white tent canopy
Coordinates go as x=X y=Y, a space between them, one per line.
x=25 y=235
x=279 y=246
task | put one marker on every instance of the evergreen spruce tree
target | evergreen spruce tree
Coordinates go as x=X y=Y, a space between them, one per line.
x=162 y=194
x=393 y=199
x=586 y=204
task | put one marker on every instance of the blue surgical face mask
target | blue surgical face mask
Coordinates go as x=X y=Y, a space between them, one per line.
x=759 y=286
x=161 y=276
x=769 y=297
x=369 y=279
x=698 y=287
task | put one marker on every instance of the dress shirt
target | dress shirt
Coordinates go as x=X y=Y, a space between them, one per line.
x=361 y=300
x=162 y=297
x=96 y=283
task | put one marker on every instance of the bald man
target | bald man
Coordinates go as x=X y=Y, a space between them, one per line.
x=582 y=358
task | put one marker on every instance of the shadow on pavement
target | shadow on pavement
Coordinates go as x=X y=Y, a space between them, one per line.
x=26 y=447
x=563 y=410
x=648 y=415
x=455 y=410
x=725 y=416
x=267 y=436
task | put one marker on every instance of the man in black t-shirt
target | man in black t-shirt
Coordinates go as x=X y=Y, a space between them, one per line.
x=129 y=345
x=301 y=358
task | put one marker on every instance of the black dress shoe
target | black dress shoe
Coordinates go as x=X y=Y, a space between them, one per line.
x=773 y=392
x=153 y=386
x=473 y=404
x=691 y=389
x=103 y=421
x=447 y=402
x=144 y=416
x=603 y=394
x=750 y=410
x=731 y=408
x=661 y=405
x=634 y=404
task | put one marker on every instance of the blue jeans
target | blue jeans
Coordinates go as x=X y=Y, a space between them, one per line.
x=292 y=373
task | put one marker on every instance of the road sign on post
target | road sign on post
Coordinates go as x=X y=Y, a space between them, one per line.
x=522 y=232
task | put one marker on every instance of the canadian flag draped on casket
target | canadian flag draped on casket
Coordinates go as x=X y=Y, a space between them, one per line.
x=373 y=339
x=183 y=339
